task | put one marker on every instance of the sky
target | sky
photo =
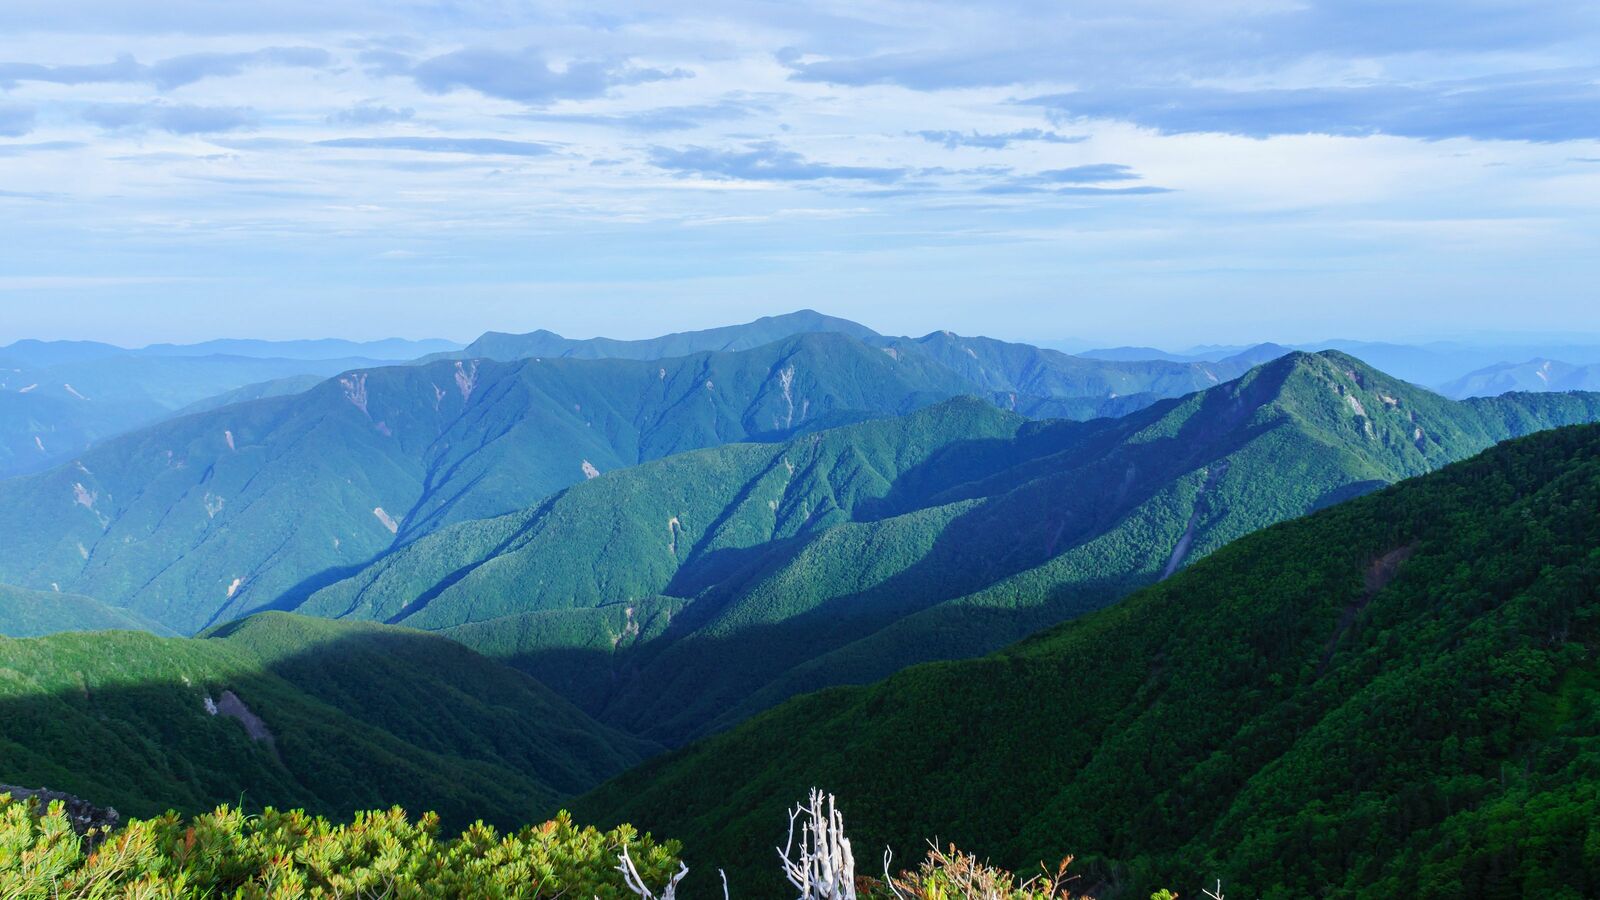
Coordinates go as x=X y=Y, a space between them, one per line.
x=1154 y=172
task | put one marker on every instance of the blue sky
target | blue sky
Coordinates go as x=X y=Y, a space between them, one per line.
x=1161 y=172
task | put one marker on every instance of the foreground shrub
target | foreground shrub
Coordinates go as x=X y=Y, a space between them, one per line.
x=952 y=874
x=290 y=854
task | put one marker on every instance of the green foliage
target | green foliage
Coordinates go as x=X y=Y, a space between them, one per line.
x=954 y=875
x=292 y=854
x=1396 y=696
x=354 y=715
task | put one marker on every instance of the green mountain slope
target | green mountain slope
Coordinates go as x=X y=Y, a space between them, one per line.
x=302 y=712
x=216 y=515
x=1398 y=696
x=25 y=613
x=687 y=594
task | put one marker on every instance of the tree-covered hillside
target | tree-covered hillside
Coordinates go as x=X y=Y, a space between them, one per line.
x=1395 y=697
x=293 y=712
x=687 y=594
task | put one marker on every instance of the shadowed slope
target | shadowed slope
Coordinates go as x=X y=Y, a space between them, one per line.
x=291 y=711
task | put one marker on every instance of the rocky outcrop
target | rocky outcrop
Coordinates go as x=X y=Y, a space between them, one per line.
x=81 y=813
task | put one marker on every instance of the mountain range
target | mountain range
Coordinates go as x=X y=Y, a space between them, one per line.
x=214 y=515
x=1456 y=369
x=683 y=595
x=485 y=585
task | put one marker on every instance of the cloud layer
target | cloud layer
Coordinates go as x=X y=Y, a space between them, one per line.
x=1194 y=167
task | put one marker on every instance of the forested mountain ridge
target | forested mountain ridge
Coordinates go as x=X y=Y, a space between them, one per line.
x=1397 y=696
x=293 y=712
x=1032 y=380
x=691 y=592
x=217 y=514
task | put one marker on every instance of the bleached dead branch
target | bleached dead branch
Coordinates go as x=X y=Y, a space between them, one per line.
x=821 y=867
x=635 y=883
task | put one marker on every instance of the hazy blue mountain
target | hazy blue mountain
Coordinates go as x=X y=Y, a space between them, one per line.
x=1533 y=375
x=1133 y=354
x=48 y=413
x=1257 y=353
x=1047 y=383
x=261 y=390
x=34 y=353
x=747 y=336
x=386 y=350
x=1451 y=366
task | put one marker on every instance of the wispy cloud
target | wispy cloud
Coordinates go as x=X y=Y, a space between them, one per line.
x=526 y=76
x=1090 y=174
x=39 y=147
x=1099 y=143
x=662 y=118
x=762 y=161
x=1542 y=107
x=16 y=119
x=474 y=146
x=371 y=113
x=999 y=140
x=1076 y=181
x=167 y=73
x=173 y=118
